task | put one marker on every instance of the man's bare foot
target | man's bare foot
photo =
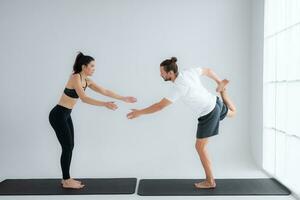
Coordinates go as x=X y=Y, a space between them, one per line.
x=71 y=184
x=205 y=185
x=222 y=85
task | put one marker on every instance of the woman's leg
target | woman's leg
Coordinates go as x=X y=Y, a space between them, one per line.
x=64 y=136
x=71 y=131
x=65 y=139
x=67 y=149
x=203 y=154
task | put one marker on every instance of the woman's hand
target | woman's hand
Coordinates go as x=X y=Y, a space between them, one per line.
x=110 y=105
x=129 y=99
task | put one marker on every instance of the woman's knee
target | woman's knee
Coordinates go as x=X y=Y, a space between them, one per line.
x=68 y=148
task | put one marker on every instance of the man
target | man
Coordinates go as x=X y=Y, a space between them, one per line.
x=188 y=86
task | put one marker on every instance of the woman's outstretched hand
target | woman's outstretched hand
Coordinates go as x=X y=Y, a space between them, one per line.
x=110 y=105
x=129 y=99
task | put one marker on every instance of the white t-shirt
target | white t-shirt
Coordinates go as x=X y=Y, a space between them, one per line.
x=188 y=86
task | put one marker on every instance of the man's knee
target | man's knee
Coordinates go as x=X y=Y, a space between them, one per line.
x=200 y=144
x=231 y=113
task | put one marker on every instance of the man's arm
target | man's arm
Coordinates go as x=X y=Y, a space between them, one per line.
x=211 y=74
x=151 y=109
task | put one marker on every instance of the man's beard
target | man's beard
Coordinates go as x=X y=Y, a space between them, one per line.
x=167 y=79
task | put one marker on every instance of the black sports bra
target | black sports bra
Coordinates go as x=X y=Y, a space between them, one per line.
x=72 y=92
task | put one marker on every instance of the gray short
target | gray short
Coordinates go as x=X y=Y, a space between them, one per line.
x=208 y=125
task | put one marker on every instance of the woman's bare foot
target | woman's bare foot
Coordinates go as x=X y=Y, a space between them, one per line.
x=71 y=184
x=205 y=184
x=62 y=181
x=222 y=85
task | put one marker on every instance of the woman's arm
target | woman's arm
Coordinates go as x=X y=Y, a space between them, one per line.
x=109 y=93
x=86 y=99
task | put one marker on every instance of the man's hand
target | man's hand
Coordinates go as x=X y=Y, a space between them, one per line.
x=222 y=85
x=133 y=114
x=129 y=99
x=151 y=109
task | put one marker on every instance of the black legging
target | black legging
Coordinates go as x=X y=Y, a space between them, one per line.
x=61 y=121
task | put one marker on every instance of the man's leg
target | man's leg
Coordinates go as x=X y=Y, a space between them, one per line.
x=203 y=154
x=226 y=99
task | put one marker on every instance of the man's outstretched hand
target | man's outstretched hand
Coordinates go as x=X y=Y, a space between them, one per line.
x=133 y=114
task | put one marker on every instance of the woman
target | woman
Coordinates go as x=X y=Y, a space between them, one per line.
x=60 y=116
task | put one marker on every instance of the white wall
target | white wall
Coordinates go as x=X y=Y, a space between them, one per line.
x=129 y=39
x=256 y=80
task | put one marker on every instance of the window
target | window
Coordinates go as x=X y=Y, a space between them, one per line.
x=281 y=133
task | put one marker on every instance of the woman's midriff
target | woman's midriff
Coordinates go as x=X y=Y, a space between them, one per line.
x=67 y=102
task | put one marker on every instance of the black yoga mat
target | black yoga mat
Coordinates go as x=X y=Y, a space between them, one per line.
x=232 y=187
x=53 y=186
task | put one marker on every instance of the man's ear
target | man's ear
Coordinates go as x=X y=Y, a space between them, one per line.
x=173 y=73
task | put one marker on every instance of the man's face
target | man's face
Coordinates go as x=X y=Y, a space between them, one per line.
x=164 y=74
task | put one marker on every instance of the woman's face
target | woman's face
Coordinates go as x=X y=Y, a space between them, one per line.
x=90 y=68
